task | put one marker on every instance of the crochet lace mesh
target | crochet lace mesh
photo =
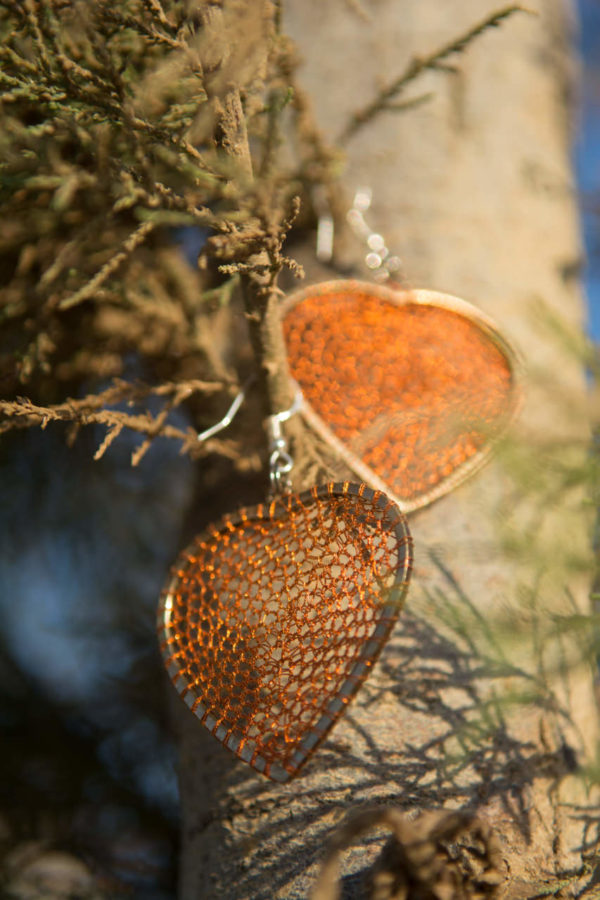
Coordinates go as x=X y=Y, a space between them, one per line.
x=274 y=617
x=416 y=391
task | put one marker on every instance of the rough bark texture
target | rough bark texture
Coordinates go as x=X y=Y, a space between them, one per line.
x=474 y=190
x=222 y=32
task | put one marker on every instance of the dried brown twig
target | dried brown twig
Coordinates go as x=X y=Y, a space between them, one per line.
x=94 y=409
x=434 y=61
x=121 y=124
x=439 y=854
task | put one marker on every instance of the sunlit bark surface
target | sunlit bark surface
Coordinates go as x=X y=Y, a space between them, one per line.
x=473 y=188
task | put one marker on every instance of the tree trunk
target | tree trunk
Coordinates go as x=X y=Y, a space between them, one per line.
x=473 y=189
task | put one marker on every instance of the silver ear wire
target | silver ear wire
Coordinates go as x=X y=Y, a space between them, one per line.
x=280 y=461
x=378 y=258
x=325 y=225
x=230 y=414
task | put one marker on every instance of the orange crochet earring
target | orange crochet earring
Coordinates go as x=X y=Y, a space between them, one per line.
x=273 y=617
x=411 y=387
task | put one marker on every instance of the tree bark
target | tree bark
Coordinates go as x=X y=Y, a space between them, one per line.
x=474 y=190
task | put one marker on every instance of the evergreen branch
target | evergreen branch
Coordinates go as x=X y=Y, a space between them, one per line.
x=113 y=432
x=108 y=143
x=146 y=31
x=418 y=65
x=69 y=250
x=403 y=105
x=93 y=99
x=155 y=8
x=10 y=55
x=70 y=67
x=121 y=391
x=93 y=410
x=160 y=198
x=137 y=237
x=36 y=31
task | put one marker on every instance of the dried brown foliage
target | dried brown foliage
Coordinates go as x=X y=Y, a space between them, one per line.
x=437 y=856
x=115 y=131
x=122 y=122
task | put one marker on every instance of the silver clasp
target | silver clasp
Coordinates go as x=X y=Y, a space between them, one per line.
x=378 y=258
x=280 y=461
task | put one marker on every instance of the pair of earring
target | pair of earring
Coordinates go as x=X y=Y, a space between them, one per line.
x=274 y=616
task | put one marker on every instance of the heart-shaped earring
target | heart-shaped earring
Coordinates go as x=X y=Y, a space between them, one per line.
x=274 y=616
x=411 y=388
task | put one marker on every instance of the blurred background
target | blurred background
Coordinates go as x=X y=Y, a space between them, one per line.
x=587 y=154
x=89 y=788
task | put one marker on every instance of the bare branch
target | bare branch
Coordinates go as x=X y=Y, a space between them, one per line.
x=134 y=240
x=419 y=65
x=94 y=410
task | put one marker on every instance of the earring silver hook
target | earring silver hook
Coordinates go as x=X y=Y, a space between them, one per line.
x=230 y=414
x=378 y=258
x=280 y=461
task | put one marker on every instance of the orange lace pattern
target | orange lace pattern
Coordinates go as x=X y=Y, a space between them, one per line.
x=274 y=617
x=417 y=391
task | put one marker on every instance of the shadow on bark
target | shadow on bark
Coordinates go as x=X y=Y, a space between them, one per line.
x=426 y=673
